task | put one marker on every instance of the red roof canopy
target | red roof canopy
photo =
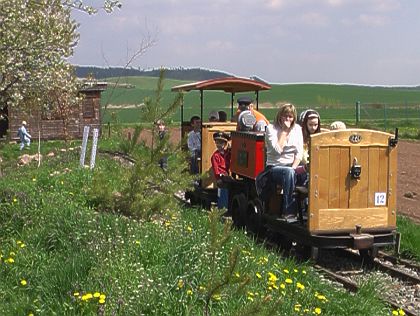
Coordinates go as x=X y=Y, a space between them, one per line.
x=227 y=84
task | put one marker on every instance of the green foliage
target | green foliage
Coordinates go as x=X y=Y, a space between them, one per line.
x=410 y=237
x=69 y=254
x=129 y=143
x=148 y=188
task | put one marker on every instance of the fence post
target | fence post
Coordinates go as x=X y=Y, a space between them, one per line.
x=385 y=118
x=357 y=112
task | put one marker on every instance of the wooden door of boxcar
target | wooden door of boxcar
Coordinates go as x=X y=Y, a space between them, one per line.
x=338 y=202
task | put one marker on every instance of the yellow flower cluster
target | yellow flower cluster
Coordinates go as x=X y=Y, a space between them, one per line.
x=321 y=297
x=398 y=312
x=101 y=297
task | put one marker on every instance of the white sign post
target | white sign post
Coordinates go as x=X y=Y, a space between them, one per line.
x=94 y=146
x=84 y=145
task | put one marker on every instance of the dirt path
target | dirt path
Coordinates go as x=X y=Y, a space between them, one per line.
x=408 y=181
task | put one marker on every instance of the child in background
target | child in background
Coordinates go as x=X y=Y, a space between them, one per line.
x=311 y=124
x=220 y=162
x=161 y=129
x=24 y=136
x=337 y=125
x=194 y=143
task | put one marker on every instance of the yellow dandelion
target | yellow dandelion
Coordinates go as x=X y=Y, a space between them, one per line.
x=401 y=312
x=33 y=179
x=189 y=292
x=189 y=228
x=250 y=298
x=297 y=307
x=23 y=282
x=180 y=283
x=237 y=274
x=137 y=242
x=306 y=310
x=31 y=314
x=216 y=297
x=102 y=297
x=289 y=281
x=168 y=223
x=101 y=301
x=14 y=200
x=76 y=294
x=22 y=245
x=96 y=294
x=202 y=288
x=272 y=277
x=18 y=242
x=295 y=270
x=286 y=271
x=317 y=310
x=250 y=293
x=283 y=286
x=258 y=275
x=300 y=286
x=303 y=272
x=395 y=313
x=62 y=182
x=9 y=260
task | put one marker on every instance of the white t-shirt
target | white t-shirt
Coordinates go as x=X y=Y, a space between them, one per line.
x=194 y=141
x=292 y=149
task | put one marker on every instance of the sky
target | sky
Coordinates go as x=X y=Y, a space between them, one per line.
x=375 y=42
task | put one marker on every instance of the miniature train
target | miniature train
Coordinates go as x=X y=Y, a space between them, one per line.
x=350 y=201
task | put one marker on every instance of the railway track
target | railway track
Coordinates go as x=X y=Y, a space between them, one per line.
x=402 y=277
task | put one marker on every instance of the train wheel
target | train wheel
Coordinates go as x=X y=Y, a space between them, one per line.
x=285 y=243
x=239 y=208
x=368 y=255
x=310 y=253
x=254 y=220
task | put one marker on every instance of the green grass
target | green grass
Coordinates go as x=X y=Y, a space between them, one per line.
x=64 y=249
x=410 y=238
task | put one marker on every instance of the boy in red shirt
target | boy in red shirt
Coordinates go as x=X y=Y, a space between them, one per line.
x=220 y=162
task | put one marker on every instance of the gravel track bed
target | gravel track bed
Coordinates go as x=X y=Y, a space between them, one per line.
x=406 y=294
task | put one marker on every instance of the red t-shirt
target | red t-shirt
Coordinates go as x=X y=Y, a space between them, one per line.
x=220 y=163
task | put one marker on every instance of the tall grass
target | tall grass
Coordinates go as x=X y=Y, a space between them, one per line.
x=59 y=256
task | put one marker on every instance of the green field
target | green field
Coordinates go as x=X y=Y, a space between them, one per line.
x=382 y=106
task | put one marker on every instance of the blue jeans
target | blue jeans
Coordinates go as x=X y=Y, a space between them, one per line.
x=222 y=198
x=286 y=177
x=23 y=141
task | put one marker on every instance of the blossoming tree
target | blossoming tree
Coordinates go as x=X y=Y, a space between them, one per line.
x=36 y=38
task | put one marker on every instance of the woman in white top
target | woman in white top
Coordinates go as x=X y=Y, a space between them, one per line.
x=284 y=146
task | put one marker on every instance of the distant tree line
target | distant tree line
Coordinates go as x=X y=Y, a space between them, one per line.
x=189 y=74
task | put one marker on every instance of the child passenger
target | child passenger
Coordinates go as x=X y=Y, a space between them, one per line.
x=194 y=143
x=220 y=162
x=311 y=124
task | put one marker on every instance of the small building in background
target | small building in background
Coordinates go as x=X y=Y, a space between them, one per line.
x=88 y=113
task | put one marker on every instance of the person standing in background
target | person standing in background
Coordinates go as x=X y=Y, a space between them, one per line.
x=24 y=136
